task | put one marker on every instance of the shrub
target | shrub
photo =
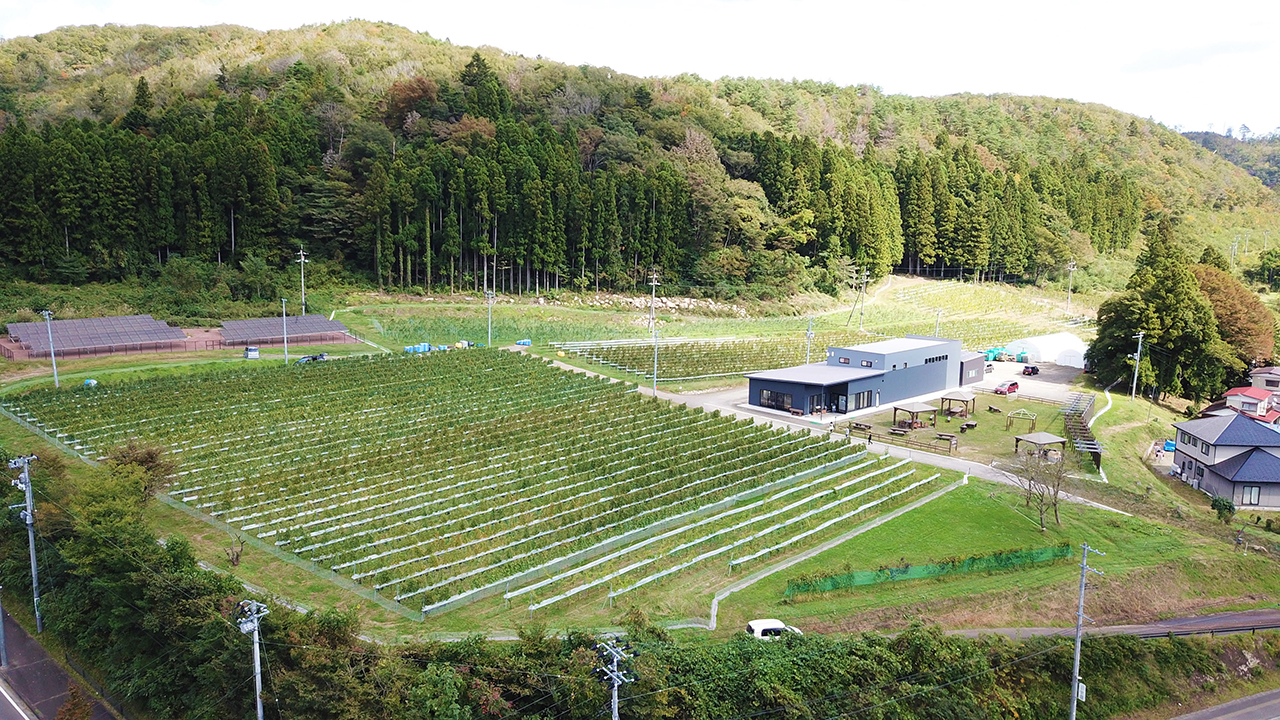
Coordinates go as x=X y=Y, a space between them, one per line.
x=1224 y=507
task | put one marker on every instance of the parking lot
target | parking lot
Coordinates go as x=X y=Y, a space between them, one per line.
x=1053 y=382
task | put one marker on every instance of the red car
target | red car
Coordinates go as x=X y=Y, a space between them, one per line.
x=1007 y=388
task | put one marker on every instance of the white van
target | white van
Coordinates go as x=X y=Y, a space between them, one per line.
x=770 y=629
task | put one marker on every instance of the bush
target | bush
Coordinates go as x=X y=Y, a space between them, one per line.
x=1225 y=509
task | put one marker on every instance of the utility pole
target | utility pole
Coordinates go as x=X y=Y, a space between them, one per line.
x=1071 y=275
x=860 y=278
x=808 y=341
x=1234 y=245
x=1077 y=687
x=1137 y=360
x=612 y=654
x=489 y=297
x=53 y=356
x=653 y=324
x=302 y=267
x=937 y=323
x=29 y=516
x=249 y=617
x=284 y=327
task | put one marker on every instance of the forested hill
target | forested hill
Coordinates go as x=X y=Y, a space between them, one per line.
x=395 y=155
x=1260 y=155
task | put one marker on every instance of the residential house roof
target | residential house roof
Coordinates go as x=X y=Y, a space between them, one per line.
x=1256 y=465
x=1234 y=429
x=1265 y=371
x=1256 y=393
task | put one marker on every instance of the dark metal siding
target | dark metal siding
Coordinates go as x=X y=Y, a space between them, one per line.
x=979 y=363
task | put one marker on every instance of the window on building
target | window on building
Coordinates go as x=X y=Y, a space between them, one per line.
x=866 y=363
x=1249 y=407
x=972 y=373
x=844 y=361
x=1204 y=446
x=1273 y=383
x=775 y=400
x=1251 y=494
x=862 y=400
x=1199 y=471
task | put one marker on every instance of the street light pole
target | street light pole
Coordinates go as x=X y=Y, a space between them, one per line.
x=808 y=341
x=284 y=326
x=302 y=267
x=1071 y=273
x=1137 y=360
x=53 y=356
x=489 y=296
x=1076 y=685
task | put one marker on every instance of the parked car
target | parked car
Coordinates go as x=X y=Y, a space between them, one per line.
x=312 y=358
x=1007 y=388
x=1030 y=370
x=770 y=629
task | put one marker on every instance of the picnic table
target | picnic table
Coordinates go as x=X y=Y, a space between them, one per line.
x=969 y=425
x=899 y=431
x=861 y=426
x=947 y=436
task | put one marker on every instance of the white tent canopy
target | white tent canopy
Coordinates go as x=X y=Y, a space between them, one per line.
x=1059 y=348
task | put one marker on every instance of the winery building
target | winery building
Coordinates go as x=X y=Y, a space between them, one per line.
x=862 y=376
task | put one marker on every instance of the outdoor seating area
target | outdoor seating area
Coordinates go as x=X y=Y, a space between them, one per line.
x=1042 y=441
x=913 y=410
x=959 y=403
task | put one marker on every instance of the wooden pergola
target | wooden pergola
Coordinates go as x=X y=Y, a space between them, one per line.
x=1040 y=440
x=915 y=410
x=965 y=399
x=1021 y=414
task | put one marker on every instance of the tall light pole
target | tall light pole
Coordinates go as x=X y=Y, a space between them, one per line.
x=250 y=614
x=302 y=267
x=284 y=327
x=29 y=516
x=489 y=297
x=53 y=356
x=1071 y=273
x=808 y=341
x=1137 y=360
x=1077 y=687
x=937 y=323
x=653 y=323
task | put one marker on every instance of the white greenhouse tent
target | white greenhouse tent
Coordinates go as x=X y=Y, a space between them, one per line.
x=1059 y=348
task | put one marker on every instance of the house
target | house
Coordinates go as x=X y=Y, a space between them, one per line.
x=862 y=376
x=1267 y=378
x=1254 y=402
x=1231 y=456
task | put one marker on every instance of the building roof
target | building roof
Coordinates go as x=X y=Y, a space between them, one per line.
x=968 y=355
x=1265 y=371
x=1255 y=465
x=915 y=407
x=961 y=395
x=1233 y=429
x=1254 y=392
x=1041 y=438
x=894 y=345
x=816 y=374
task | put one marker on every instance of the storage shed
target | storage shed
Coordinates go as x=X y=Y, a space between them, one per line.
x=1059 y=348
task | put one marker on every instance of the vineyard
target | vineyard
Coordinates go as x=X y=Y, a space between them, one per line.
x=439 y=480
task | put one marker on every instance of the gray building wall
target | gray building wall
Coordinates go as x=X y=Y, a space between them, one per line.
x=979 y=367
x=799 y=392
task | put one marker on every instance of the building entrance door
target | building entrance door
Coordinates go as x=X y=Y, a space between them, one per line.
x=838 y=402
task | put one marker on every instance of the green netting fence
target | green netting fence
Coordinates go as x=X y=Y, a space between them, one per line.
x=1008 y=560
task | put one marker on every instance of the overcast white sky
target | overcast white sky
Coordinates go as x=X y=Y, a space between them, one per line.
x=1194 y=65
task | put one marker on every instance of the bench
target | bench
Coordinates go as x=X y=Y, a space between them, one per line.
x=861 y=426
x=797 y=412
x=899 y=431
x=994 y=409
x=947 y=436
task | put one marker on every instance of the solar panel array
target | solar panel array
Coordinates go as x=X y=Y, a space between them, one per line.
x=91 y=333
x=271 y=329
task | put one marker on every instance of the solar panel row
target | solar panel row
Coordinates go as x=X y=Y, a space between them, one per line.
x=270 y=329
x=89 y=333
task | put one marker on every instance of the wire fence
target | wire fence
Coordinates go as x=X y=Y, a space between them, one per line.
x=995 y=562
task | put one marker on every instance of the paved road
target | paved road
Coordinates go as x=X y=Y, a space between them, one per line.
x=1263 y=706
x=38 y=680
x=11 y=707
x=1218 y=624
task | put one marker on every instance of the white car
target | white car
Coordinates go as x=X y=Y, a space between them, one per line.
x=770 y=629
